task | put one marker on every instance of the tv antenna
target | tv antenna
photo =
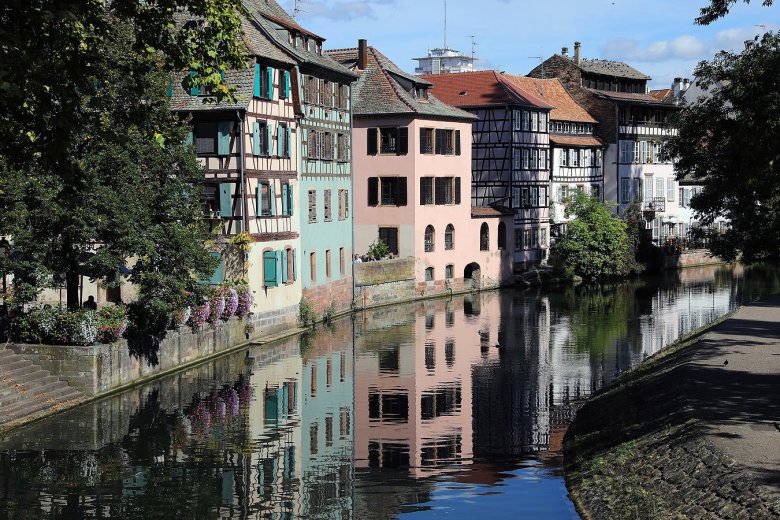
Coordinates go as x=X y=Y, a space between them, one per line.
x=473 y=47
x=297 y=9
x=445 y=24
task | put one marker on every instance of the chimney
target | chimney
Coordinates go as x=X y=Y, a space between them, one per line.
x=565 y=52
x=677 y=87
x=362 y=62
x=577 y=53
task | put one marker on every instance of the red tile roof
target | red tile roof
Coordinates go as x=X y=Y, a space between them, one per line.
x=490 y=212
x=482 y=88
x=576 y=141
x=554 y=94
x=661 y=94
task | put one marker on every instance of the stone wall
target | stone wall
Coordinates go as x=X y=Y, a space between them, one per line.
x=690 y=258
x=384 y=271
x=99 y=369
x=337 y=293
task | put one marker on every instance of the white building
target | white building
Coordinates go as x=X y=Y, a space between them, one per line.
x=444 y=61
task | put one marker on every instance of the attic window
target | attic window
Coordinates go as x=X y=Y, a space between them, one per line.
x=463 y=93
x=421 y=92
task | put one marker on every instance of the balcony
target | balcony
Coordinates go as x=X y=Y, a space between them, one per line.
x=656 y=205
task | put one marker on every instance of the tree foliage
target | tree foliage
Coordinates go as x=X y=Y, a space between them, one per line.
x=720 y=8
x=134 y=196
x=729 y=140
x=596 y=245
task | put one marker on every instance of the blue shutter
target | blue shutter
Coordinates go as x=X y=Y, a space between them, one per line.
x=256 y=138
x=280 y=140
x=273 y=198
x=270 y=262
x=189 y=139
x=259 y=200
x=288 y=142
x=291 y=201
x=285 y=205
x=223 y=138
x=286 y=84
x=194 y=90
x=216 y=278
x=257 y=90
x=284 y=265
x=294 y=277
x=170 y=88
x=225 y=200
x=269 y=141
x=270 y=81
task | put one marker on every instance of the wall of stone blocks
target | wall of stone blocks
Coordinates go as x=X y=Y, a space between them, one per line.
x=384 y=271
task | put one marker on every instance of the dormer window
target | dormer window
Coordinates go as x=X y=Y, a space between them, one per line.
x=421 y=92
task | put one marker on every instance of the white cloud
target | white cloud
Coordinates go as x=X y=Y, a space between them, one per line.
x=344 y=10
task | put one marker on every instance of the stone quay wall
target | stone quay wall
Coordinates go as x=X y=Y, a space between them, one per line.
x=695 y=257
x=101 y=369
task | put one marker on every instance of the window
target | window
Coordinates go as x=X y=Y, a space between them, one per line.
x=526 y=239
x=659 y=187
x=260 y=138
x=534 y=159
x=342 y=153
x=342 y=96
x=290 y=256
x=535 y=239
x=265 y=198
x=670 y=189
x=312 y=206
x=525 y=158
x=516 y=158
x=501 y=235
x=595 y=191
x=598 y=157
x=447 y=142
x=429 y=239
x=543 y=122
x=326 y=152
x=426 y=140
x=574 y=159
x=449 y=271
x=429 y=276
x=681 y=193
x=526 y=121
x=327 y=263
x=391 y=140
x=534 y=121
x=341 y=262
x=282 y=140
x=343 y=204
x=564 y=157
x=646 y=148
x=270 y=268
x=649 y=189
x=628 y=150
x=327 y=213
x=484 y=237
x=636 y=192
x=625 y=190
x=391 y=191
x=389 y=235
x=449 y=237
x=444 y=190
x=313 y=266
x=205 y=138
x=426 y=191
x=311 y=144
x=543 y=238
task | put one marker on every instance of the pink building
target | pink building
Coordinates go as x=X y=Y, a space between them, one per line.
x=412 y=180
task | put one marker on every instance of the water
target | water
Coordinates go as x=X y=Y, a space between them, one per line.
x=451 y=409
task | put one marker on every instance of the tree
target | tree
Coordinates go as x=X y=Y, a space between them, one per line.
x=729 y=141
x=720 y=8
x=134 y=195
x=596 y=244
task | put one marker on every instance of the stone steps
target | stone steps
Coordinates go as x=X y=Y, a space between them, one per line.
x=26 y=389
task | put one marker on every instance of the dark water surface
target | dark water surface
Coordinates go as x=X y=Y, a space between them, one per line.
x=451 y=409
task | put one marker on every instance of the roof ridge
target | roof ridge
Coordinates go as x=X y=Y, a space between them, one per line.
x=386 y=74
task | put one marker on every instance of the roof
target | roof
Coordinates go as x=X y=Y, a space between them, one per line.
x=259 y=44
x=490 y=211
x=661 y=94
x=616 y=69
x=181 y=100
x=576 y=141
x=625 y=96
x=380 y=90
x=267 y=17
x=481 y=88
x=552 y=91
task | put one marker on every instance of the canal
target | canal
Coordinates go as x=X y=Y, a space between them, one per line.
x=445 y=408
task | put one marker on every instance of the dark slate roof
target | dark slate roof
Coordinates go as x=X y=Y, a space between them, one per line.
x=258 y=44
x=182 y=101
x=616 y=69
x=266 y=14
x=378 y=91
x=628 y=97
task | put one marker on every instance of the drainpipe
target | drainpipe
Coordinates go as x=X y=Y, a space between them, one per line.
x=244 y=208
x=352 y=192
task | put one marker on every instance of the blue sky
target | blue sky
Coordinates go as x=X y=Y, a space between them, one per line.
x=657 y=37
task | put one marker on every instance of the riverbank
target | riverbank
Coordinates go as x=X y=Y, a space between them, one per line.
x=690 y=433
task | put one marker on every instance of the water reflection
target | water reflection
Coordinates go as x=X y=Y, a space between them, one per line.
x=442 y=407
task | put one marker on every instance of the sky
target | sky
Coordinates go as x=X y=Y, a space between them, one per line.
x=657 y=37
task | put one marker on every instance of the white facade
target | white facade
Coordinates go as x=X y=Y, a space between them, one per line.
x=444 y=61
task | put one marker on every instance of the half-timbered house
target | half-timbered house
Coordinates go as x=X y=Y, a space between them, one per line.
x=412 y=164
x=322 y=93
x=510 y=152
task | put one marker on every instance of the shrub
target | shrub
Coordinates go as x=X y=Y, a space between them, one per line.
x=306 y=314
x=378 y=249
x=111 y=323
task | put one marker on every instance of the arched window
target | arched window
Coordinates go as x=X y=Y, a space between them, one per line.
x=501 y=235
x=484 y=237
x=429 y=234
x=429 y=274
x=449 y=237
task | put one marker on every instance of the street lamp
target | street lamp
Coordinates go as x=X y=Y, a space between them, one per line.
x=3 y=253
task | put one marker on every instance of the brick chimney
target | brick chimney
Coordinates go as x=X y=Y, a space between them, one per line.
x=362 y=62
x=565 y=52
x=577 y=53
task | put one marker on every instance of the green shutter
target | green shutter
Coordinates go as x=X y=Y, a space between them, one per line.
x=270 y=81
x=285 y=202
x=256 y=138
x=270 y=262
x=257 y=91
x=294 y=277
x=189 y=139
x=269 y=141
x=286 y=84
x=291 y=202
x=170 y=88
x=273 y=199
x=223 y=138
x=284 y=265
x=280 y=140
x=288 y=142
x=216 y=278
x=194 y=90
x=259 y=200
x=225 y=200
